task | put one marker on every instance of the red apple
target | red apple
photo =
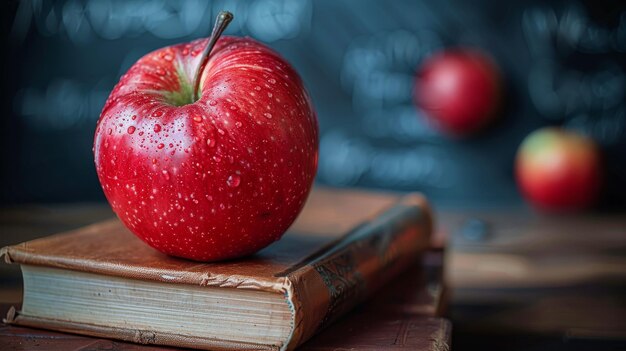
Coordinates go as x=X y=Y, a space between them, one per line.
x=559 y=170
x=458 y=91
x=208 y=166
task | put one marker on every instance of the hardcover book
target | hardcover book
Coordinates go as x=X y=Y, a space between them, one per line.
x=103 y=281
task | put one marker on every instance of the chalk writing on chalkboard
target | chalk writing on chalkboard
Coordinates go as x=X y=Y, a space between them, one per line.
x=591 y=98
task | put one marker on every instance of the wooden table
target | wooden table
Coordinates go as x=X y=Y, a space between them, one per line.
x=524 y=281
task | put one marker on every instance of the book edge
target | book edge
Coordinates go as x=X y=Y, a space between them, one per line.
x=145 y=337
x=442 y=341
x=299 y=335
x=10 y=317
x=4 y=253
x=20 y=254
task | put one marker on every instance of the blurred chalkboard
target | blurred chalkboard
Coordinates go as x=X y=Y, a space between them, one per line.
x=564 y=64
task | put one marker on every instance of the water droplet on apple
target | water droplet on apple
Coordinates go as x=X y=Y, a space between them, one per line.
x=197 y=118
x=222 y=132
x=272 y=80
x=166 y=174
x=257 y=88
x=210 y=142
x=160 y=71
x=131 y=129
x=238 y=124
x=233 y=181
x=233 y=107
x=168 y=57
x=212 y=102
x=157 y=128
x=133 y=117
x=157 y=114
x=160 y=146
x=267 y=115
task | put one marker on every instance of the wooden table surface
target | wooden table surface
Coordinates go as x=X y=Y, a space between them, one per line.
x=536 y=273
x=518 y=280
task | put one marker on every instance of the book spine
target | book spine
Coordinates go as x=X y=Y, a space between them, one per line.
x=368 y=257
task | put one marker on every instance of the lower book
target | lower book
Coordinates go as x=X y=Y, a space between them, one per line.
x=405 y=315
x=103 y=281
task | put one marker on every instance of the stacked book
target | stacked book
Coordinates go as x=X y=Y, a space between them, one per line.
x=354 y=271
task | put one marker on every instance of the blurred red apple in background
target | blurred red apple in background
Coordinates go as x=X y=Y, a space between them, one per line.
x=559 y=170
x=208 y=157
x=459 y=91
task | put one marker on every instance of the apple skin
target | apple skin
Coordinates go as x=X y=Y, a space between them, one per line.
x=214 y=179
x=559 y=170
x=459 y=91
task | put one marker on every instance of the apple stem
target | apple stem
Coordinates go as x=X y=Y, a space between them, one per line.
x=221 y=22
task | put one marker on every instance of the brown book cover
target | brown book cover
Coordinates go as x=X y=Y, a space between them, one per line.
x=343 y=247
